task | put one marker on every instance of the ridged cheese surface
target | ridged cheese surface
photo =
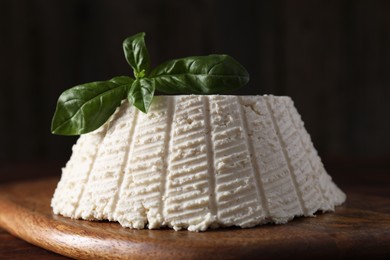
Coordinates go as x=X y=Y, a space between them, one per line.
x=196 y=162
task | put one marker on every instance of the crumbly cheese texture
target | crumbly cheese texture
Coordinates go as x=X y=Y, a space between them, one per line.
x=197 y=162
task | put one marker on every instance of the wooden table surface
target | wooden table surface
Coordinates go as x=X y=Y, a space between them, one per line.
x=12 y=247
x=355 y=177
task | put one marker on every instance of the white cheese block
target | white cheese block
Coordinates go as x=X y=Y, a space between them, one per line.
x=196 y=162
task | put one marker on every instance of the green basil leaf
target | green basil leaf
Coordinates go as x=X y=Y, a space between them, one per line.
x=136 y=54
x=200 y=75
x=141 y=93
x=86 y=107
x=122 y=80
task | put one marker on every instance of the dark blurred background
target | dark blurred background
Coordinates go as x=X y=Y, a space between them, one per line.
x=331 y=56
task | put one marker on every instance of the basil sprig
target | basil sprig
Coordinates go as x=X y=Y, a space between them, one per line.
x=86 y=107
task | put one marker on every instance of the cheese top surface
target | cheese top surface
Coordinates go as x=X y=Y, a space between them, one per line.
x=197 y=162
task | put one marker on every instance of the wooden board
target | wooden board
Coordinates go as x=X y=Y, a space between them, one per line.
x=360 y=228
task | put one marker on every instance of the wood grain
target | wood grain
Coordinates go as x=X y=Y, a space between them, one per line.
x=360 y=228
x=12 y=247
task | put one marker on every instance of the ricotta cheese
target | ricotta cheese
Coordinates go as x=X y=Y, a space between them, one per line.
x=197 y=162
